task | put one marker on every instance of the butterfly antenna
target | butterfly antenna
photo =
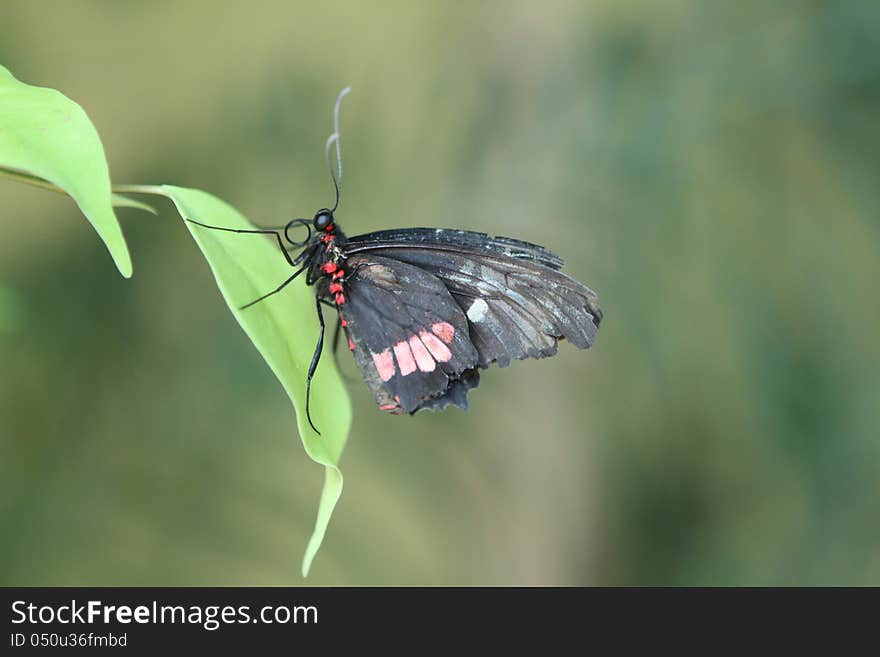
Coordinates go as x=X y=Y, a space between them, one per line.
x=334 y=139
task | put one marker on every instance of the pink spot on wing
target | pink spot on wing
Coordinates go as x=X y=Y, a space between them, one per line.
x=444 y=330
x=404 y=358
x=384 y=363
x=423 y=357
x=438 y=350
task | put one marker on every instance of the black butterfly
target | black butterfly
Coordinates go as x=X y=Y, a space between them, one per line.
x=425 y=309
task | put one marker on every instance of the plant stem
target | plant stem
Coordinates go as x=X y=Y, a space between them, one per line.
x=139 y=189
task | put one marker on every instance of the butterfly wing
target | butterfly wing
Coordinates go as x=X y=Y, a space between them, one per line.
x=458 y=240
x=409 y=336
x=516 y=301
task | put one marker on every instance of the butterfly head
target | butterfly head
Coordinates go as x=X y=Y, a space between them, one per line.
x=323 y=220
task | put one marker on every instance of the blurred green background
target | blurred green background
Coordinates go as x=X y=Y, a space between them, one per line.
x=710 y=168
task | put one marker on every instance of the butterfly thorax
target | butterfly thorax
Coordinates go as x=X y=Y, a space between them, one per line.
x=328 y=269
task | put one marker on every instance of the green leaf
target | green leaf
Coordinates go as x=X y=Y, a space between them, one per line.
x=44 y=133
x=283 y=327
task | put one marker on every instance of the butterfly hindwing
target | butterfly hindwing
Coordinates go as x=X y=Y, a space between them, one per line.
x=409 y=336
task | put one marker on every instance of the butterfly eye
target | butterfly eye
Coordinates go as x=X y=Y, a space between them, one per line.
x=323 y=219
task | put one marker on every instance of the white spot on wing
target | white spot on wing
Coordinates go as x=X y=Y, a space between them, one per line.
x=477 y=311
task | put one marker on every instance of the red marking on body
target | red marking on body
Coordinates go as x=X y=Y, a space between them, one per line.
x=326 y=238
x=329 y=267
x=388 y=407
x=339 y=274
x=444 y=330
x=351 y=346
x=438 y=350
x=329 y=228
x=405 y=358
x=340 y=299
x=335 y=288
x=422 y=355
x=384 y=364
x=343 y=323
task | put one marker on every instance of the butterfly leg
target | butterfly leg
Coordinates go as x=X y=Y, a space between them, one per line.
x=338 y=330
x=292 y=263
x=314 y=364
x=336 y=335
x=277 y=289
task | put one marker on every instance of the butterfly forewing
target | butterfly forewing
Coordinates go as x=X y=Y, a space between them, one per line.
x=458 y=240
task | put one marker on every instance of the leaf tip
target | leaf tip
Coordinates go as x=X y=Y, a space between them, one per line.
x=123 y=264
